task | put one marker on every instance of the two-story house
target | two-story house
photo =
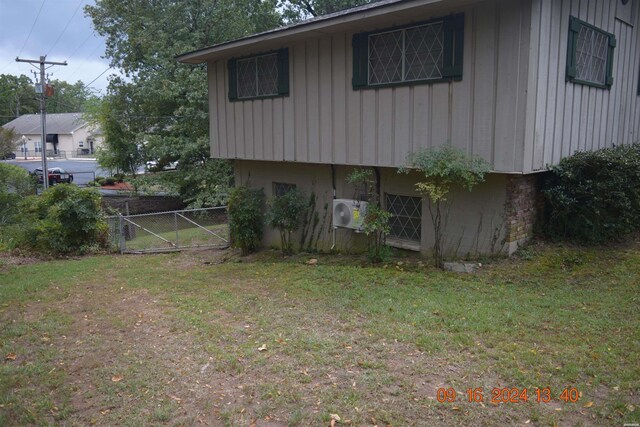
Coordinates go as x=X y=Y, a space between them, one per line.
x=521 y=83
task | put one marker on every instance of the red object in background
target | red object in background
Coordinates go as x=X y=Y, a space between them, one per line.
x=49 y=90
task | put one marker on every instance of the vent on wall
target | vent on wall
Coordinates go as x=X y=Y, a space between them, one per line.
x=349 y=213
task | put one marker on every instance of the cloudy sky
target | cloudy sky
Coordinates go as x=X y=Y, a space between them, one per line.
x=58 y=29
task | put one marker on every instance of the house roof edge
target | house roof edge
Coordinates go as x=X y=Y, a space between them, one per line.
x=325 y=21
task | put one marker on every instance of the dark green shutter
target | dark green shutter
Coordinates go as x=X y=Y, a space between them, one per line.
x=283 y=72
x=233 y=79
x=612 y=46
x=453 y=37
x=360 y=44
x=574 y=29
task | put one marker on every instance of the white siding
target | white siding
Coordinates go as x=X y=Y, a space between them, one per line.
x=564 y=117
x=325 y=121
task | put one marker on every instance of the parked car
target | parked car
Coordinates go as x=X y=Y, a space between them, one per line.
x=56 y=176
x=8 y=156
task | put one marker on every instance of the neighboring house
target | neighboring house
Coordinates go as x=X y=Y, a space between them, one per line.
x=520 y=83
x=68 y=135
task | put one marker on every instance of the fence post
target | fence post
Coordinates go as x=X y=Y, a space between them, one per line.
x=175 y=224
x=122 y=239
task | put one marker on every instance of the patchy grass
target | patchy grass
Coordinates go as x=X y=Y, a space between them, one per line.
x=175 y=339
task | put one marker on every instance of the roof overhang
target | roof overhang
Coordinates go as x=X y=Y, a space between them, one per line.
x=322 y=25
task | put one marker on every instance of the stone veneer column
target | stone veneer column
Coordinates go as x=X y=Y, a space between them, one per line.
x=522 y=208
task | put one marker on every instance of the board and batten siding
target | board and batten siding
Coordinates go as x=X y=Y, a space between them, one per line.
x=564 y=117
x=324 y=120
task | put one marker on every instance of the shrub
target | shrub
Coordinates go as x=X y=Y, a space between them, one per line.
x=15 y=184
x=376 y=219
x=443 y=169
x=14 y=179
x=285 y=214
x=109 y=181
x=593 y=197
x=64 y=219
x=245 y=218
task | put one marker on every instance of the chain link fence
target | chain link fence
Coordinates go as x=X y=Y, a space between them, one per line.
x=170 y=231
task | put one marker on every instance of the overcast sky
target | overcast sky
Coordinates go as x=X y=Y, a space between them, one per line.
x=30 y=28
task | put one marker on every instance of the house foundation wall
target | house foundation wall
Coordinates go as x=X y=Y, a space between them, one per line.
x=495 y=217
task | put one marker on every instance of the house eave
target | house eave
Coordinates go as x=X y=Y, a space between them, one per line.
x=320 y=25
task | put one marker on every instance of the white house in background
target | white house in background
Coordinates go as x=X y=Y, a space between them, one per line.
x=521 y=83
x=68 y=135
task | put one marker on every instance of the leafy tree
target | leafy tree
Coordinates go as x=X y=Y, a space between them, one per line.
x=8 y=141
x=17 y=97
x=68 y=97
x=444 y=169
x=297 y=10
x=161 y=112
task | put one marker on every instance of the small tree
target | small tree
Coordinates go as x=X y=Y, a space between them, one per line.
x=285 y=214
x=443 y=169
x=245 y=218
x=8 y=141
x=376 y=220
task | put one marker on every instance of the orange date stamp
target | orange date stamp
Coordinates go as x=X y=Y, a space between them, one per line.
x=499 y=395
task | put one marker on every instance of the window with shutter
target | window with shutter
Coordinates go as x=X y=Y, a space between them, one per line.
x=259 y=76
x=589 y=55
x=424 y=53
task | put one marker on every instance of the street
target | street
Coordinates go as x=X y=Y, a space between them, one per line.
x=83 y=171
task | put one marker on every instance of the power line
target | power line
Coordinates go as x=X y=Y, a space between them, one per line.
x=89 y=85
x=81 y=44
x=28 y=36
x=65 y=27
x=32 y=27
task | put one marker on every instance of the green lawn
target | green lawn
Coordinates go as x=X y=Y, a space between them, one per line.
x=207 y=338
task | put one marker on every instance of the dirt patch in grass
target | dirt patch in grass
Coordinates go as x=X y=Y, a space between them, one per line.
x=204 y=338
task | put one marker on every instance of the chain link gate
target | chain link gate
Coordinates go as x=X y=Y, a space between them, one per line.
x=170 y=231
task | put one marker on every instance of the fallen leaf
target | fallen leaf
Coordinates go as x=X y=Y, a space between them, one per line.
x=263 y=347
x=312 y=261
x=117 y=378
x=11 y=356
x=177 y=399
x=335 y=417
x=588 y=405
x=631 y=408
x=332 y=423
x=455 y=408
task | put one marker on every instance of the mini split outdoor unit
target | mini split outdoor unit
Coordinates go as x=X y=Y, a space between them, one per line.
x=349 y=213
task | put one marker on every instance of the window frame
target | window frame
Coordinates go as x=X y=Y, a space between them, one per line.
x=403 y=241
x=282 y=80
x=575 y=25
x=276 y=184
x=453 y=53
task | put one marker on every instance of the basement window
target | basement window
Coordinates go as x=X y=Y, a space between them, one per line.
x=425 y=53
x=259 y=76
x=589 y=55
x=281 y=188
x=406 y=222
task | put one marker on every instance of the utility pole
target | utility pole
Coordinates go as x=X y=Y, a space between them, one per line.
x=43 y=111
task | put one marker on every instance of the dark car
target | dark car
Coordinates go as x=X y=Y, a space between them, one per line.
x=56 y=176
x=8 y=156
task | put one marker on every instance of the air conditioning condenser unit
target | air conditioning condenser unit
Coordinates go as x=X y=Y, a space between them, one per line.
x=349 y=213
